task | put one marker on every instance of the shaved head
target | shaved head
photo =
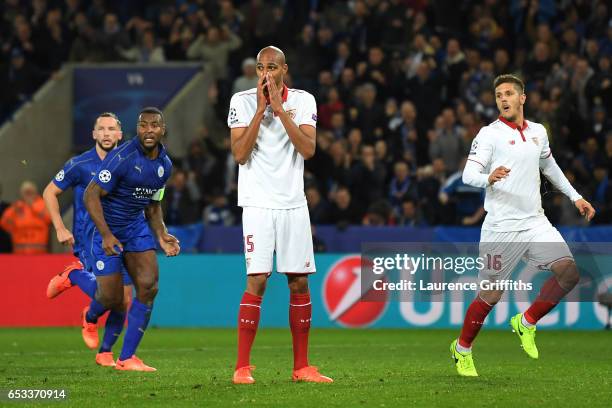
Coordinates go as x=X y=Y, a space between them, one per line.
x=279 y=54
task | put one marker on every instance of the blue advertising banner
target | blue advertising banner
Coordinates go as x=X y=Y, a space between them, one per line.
x=205 y=290
x=124 y=91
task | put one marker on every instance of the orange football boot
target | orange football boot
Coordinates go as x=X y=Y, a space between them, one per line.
x=60 y=282
x=89 y=331
x=105 y=359
x=310 y=374
x=243 y=375
x=133 y=364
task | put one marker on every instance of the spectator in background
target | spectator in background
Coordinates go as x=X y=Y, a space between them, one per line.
x=409 y=214
x=24 y=78
x=5 y=238
x=344 y=210
x=368 y=177
x=464 y=202
x=317 y=206
x=248 y=79
x=402 y=186
x=446 y=142
x=182 y=199
x=218 y=212
x=148 y=51
x=27 y=221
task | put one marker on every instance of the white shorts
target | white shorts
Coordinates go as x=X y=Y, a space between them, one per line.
x=286 y=232
x=540 y=247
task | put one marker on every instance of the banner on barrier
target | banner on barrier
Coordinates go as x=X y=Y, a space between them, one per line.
x=205 y=290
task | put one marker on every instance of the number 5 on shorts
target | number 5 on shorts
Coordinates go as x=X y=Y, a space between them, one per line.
x=248 y=243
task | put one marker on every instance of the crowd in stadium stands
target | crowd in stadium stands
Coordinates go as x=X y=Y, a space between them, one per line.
x=402 y=86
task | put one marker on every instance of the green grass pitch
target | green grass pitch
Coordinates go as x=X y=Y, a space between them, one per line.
x=371 y=368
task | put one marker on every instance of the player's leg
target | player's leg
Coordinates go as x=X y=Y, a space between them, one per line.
x=500 y=252
x=258 y=252
x=144 y=271
x=549 y=252
x=295 y=258
x=73 y=274
x=115 y=323
x=108 y=296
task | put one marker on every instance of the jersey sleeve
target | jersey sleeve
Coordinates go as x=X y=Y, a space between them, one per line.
x=67 y=177
x=238 y=115
x=308 y=111
x=481 y=150
x=545 y=152
x=111 y=170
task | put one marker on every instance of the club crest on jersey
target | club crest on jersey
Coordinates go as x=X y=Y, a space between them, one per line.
x=100 y=265
x=105 y=176
x=536 y=141
x=160 y=171
x=511 y=141
x=291 y=113
x=60 y=175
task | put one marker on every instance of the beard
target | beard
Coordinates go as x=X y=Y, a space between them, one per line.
x=105 y=148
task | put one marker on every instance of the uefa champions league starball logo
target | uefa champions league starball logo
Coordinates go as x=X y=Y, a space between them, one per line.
x=104 y=176
x=160 y=171
x=59 y=176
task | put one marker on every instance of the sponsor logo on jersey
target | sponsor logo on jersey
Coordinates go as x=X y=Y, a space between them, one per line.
x=143 y=193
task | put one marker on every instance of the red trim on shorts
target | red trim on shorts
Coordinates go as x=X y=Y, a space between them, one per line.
x=297 y=273
x=548 y=265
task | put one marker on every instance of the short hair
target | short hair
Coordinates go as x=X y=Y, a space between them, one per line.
x=511 y=79
x=154 y=110
x=108 y=115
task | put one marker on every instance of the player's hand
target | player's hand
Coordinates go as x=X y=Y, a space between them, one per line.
x=498 y=174
x=585 y=208
x=169 y=244
x=65 y=237
x=262 y=92
x=276 y=102
x=111 y=245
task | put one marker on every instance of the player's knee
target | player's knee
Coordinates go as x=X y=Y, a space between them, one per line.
x=567 y=274
x=256 y=284
x=492 y=297
x=147 y=290
x=298 y=284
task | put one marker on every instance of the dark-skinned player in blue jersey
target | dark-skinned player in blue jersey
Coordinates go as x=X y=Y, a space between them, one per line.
x=76 y=174
x=124 y=202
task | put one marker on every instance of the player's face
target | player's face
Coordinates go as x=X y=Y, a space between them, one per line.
x=509 y=101
x=151 y=129
x=271 y=63
x=107 y=133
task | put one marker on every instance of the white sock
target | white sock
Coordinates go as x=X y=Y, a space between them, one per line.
x=525 y=322
x=462 y=349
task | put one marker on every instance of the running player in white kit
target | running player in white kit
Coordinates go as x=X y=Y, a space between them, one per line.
x=506 y=158
x=273 y=129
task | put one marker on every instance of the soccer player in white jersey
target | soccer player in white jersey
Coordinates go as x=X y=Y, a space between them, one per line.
x=273 y=129
x=506 y=158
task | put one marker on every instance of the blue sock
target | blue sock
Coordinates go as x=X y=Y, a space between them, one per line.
x=112 y=330
x=86 y=281
x=138 y=320
x=95 y=311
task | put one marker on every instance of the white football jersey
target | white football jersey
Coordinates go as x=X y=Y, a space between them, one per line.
x=273 y=177
x=514 y=203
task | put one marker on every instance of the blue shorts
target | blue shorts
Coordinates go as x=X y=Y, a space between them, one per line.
x=134 y=238
x=127 y=280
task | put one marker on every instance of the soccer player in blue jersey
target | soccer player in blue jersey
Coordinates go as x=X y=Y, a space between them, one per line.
x=123 y=201
x=77 y=174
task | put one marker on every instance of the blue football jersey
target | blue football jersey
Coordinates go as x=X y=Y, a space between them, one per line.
x=131 y=180
x=76 y=174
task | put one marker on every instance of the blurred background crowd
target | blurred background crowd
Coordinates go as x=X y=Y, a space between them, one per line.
x=402 y=86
